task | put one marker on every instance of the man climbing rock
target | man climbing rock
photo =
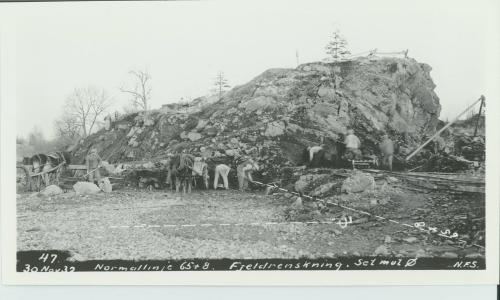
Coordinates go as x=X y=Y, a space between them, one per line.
x=386 y=147
x=221 y=170
x=352 y=144
x=244 y=171
x=93 y=162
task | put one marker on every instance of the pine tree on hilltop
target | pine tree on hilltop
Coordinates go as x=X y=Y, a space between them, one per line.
x=221 y=84
x=337 y=46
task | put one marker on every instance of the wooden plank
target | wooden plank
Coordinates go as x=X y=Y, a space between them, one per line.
x=77 y=167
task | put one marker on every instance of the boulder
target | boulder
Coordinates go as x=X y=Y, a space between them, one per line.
x=358 y=182
x=391 y=179
x=123 y=126
x=105 y=185
x=305 y=181
x=149 y=121
x=148 y=165
x=85 y=188
x=410 y=239
x=421 y=253
x=107 y=123
x=193 y=136
x=297 y=204
x=51 y=190
x=449 y=255
x=382 y=250
x=232 y=152
x=108 y=167
x=323 y=189
x=210 y=131
x=259 y=103
x=275 y=129
x=201 y=124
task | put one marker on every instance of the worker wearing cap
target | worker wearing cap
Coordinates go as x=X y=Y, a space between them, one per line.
x=93 y=162
x=439 y=144
x=386 y=147
x=352 y=144
x=244 y=172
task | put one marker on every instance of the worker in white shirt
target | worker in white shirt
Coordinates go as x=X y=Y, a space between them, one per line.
x=352 y=144
x=386 y=147
x=244 y=172
x=313 y=150
x=221 y=170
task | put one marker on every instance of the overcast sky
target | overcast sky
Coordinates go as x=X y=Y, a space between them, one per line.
x=61 y=46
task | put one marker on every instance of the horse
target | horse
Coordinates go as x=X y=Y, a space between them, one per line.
x=50 y=165
x=181 y=171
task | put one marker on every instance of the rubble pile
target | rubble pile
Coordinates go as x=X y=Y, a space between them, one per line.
x=470 y=148
x=275 y=116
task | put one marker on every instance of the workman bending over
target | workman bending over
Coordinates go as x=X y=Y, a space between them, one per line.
x=221 y=170
x=313 y=150
x=244 y=171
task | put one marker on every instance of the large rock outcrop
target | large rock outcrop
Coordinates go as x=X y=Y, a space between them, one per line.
x=280 y=112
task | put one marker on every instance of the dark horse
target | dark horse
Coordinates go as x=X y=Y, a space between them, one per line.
x=49 y=165
x=181 y=171
x=331 y=156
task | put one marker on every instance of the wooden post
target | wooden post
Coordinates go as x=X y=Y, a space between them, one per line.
x=444 y=127
x=478 y=116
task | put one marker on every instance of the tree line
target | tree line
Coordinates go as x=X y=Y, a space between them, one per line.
x=85 y=108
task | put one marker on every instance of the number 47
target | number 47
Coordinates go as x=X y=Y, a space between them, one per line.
x=48 y=257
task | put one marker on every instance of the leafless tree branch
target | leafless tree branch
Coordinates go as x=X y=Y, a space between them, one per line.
x=141 y=93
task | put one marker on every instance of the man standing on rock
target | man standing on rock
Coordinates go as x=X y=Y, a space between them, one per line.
x=386 y=147
x=244 y=171
x=352 y=144
x=93 y=163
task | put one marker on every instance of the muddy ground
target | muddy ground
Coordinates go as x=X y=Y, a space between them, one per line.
x=140 y=224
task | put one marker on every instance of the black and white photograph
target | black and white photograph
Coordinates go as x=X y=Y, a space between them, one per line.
x=252 y=138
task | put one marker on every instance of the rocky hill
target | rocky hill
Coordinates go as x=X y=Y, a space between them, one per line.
x=280 y=112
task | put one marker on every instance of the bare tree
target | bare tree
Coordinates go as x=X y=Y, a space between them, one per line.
x=84 y=109
x=337 y=46
x=221 y=84
x=67 y=128
x=141 y=92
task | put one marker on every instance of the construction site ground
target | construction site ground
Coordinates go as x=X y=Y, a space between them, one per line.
x=160 y=224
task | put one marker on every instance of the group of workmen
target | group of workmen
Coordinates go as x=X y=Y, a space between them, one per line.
x=353 y=152
x=244 y=171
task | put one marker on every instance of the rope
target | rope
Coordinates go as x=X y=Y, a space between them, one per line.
x=48 y=171
x=416 y=226
x=88 y=173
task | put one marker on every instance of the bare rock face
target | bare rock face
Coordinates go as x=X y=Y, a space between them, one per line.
x=276 y=115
